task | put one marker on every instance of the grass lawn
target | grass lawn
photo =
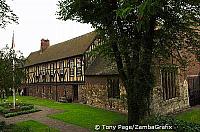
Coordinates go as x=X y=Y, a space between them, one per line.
x=35 y=126
x=190 y=116
x=78 y=114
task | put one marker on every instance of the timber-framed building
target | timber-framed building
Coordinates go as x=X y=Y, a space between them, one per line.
x=67 y=71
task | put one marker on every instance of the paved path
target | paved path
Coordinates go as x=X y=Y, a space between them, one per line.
x=41 y=117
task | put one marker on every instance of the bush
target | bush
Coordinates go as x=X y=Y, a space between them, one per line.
x=5 y=111
x=1 y=109
x=28 y=107
x=5 y=105
x=2 y=126
x=178 y=125
x=7 y=108
x=20 y=113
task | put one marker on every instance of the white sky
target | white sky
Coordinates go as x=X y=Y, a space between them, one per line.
x=37 y=20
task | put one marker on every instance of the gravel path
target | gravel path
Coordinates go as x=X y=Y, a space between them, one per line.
x=41 y=117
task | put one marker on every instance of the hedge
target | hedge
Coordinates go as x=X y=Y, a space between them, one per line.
x=20 y=113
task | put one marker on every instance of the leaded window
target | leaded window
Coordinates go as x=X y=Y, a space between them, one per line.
x=78 y=67
x=113 y=88
x=71 y=67
x=61 y=67
x=52 y=69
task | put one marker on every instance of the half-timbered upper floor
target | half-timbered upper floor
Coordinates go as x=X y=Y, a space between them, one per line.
x=65 y=62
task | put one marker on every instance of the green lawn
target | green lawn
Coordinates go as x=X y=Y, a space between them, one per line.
x=78 y=114
x=35 y=126
x=190 y=116
x=88 y=117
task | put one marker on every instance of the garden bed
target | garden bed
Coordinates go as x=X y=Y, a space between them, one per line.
x=7 y=110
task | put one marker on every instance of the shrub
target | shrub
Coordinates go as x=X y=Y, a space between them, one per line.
x=5 y=111
x=2 y=126
x=178 y=125
x=5 y=105
x=20 y=113
x=1 y=109
x=28 y=107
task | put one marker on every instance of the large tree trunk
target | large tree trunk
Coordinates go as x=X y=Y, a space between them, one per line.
x=140 y=81
x=133 y=105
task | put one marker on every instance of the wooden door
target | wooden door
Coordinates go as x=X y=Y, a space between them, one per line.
x=194 y=90
x=75 y=92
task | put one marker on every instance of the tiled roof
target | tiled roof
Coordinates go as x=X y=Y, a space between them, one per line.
x=102 y=66
x=73 y=47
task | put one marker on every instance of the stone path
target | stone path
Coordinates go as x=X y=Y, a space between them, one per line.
x=41 y=117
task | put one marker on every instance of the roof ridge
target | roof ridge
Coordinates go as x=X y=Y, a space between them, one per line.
x=69 y=48
x=72 y=38
x=64 y=41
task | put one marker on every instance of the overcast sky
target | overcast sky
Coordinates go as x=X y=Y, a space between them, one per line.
x=37 y=20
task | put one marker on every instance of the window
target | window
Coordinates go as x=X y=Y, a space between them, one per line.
x=37 y=74
x=51 y=72
x=113 y=88
x=61 y=68
x=43 y=67
x=168 y=81
x=43 y=73
x=78 y=67
x=71 y=67
x=52 y=69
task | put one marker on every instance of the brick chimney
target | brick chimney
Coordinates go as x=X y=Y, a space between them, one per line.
x=44 y=44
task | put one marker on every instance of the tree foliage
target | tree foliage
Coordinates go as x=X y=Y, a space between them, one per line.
x=6 y=70
x=7 y=16
x=135 y=32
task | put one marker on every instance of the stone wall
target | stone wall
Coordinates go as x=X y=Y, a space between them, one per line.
x=161 y=106
x=180 y=102
x=94 y=93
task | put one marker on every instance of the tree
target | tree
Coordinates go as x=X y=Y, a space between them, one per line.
x=134 y=32
x=6 y=70
x=7 y=16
